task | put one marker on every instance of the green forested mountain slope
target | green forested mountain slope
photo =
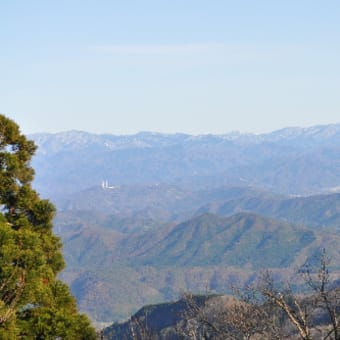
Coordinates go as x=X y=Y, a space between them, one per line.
x=243 y=239
x=113 y=273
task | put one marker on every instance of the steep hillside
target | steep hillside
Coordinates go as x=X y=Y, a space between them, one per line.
x=241 y=240
x=159 y=320
x=113 y=273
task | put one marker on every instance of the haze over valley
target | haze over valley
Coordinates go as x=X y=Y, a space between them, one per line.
x=145 y=217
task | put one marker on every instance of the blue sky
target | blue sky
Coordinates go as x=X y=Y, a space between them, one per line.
x=169 y=66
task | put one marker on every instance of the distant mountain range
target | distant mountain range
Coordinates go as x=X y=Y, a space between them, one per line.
x=290 y=161
x=148 y=216
x=146 y=205
x=76 y=140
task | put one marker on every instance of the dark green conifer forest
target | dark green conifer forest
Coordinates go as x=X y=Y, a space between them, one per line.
x=34 y=303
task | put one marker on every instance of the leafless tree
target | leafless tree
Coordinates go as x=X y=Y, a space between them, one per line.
x=228 y=318
x=264 y=311
x=315 y=314
x=325 y=298
x=297 y=312
x=139 y=329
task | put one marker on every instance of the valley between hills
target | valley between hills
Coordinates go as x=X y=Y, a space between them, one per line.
x=188 y=213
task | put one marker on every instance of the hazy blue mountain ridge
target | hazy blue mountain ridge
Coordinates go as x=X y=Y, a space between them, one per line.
x=317 y=211
x=291 y=161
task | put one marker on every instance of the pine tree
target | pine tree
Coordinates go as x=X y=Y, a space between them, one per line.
x=34 y=304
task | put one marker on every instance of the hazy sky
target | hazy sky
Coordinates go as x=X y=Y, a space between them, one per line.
x=123 y=66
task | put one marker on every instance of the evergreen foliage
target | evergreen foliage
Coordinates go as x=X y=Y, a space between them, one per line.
x=34 y=304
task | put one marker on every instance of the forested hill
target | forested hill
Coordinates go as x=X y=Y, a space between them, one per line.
x=146 y=216
x=112 y=273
